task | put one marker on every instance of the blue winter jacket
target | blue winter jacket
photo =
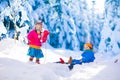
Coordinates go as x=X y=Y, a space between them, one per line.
x=87 y=56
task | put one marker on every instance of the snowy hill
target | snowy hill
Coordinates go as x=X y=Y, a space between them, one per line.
x=14 y=65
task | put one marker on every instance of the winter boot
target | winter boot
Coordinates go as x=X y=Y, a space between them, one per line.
x=37 y=61
x=70 y=66
x=62 y=61
x=31 y=58
x=70 y=60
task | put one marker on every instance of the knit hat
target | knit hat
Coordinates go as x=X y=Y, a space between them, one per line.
x=89 y=45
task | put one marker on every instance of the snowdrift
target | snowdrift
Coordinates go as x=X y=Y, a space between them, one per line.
x=14 y=65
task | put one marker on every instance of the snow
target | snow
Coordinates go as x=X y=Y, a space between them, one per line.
x=70 y=27
x=99 y=5
x=14 y=64
x=70 y=22
x=2 y=29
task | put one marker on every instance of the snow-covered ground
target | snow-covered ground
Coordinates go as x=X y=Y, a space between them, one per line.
x=14 y=64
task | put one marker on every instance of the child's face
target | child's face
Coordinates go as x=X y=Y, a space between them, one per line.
x=86 y=47
x=38 y=27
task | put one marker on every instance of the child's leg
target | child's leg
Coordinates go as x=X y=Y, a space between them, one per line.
x=76 y=61
x=31 y=58
x=37 y=61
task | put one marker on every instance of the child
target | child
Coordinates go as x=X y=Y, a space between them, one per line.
x=87 y=56
x=35 y=38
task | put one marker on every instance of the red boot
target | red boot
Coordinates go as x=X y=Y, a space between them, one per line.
x=37 y=61
x=31 y=58
x=62 y=61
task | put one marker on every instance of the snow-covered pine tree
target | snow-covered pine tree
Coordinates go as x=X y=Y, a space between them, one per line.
x=110 y=40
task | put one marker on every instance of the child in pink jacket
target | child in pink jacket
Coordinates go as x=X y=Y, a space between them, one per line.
x=35 y=39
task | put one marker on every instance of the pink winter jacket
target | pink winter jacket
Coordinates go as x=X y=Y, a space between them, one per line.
x=34 y=40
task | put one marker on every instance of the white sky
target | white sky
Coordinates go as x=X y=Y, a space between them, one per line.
x=99 y=5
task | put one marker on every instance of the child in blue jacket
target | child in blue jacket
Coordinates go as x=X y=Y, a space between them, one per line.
x=87 y=56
